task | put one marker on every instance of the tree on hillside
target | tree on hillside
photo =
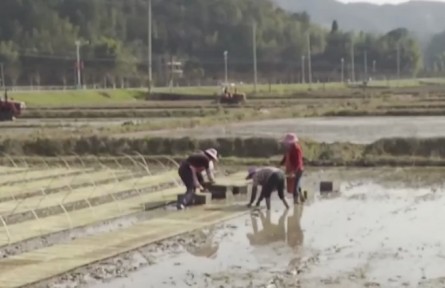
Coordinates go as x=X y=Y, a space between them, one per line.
x=9 y=57
x=436 y=53
x=334 y=28
x=37 y=41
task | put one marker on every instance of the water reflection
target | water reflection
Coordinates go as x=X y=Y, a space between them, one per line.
x=295 y=236
x=294 y=231
x=271 y=232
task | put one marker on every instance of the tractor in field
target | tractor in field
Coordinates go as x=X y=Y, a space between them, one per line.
x=232 y=98
x=10 y=109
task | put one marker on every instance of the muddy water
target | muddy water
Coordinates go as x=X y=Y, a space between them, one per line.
x=332 y=129
x=377 y=231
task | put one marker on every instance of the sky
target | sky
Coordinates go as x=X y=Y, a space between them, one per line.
x=381 y=1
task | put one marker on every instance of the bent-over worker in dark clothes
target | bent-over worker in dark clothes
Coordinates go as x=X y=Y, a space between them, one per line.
x=270 y=179
x=190 y=172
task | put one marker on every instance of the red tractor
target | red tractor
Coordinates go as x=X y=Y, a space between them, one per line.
x=232 y=98
x=10 y=109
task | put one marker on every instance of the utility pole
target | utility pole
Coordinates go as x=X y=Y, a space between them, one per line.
x=342 y=70
x=352 y=62
x=226 y=76
x=398 y=60
x=2 y=72
x=365 y=59
x=309 y=58
x=150 y=62
x=255 y=71
x=374 y=63
x=302 y=70
x=79 y=84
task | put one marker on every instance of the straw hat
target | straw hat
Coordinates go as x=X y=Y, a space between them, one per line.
x=290 y=138
x=250 y=172
x=212 y=153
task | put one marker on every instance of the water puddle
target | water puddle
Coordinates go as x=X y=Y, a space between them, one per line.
x=371 y=234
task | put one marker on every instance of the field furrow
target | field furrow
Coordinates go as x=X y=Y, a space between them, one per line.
x=57 y=223
x=80 y=194
x=38 y=174
x=87 y=177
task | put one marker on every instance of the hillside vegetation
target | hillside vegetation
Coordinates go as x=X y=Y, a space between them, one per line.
x=37 y=42
x=424 y=18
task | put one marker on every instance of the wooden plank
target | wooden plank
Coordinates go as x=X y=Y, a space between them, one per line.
x=83 y=217
x=49 y=262
x=76 y=195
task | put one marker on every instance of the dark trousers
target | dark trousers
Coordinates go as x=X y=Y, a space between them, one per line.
x=186 y=174
x=276 y=181
x=297 y=190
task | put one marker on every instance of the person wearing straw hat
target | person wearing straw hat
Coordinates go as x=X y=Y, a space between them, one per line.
x=293 y=162
x=190 y=172
x=270 y=179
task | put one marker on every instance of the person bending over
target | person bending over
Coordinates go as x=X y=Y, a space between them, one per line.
x=190 y=172
x=270 y=179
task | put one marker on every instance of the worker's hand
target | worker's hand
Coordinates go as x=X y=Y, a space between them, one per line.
x=202 y=189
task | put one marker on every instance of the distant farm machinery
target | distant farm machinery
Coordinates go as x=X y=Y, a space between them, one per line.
x=10 y=109
x=232 y=98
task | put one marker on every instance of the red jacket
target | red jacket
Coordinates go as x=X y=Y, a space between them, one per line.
x=295 y=154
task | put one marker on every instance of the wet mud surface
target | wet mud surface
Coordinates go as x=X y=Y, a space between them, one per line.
x=360 y=130
x=383 y=228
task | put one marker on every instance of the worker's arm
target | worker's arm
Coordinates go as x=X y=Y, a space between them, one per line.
x=210 y=175
x=283 y=160
x=196 y=181
x=253 y=196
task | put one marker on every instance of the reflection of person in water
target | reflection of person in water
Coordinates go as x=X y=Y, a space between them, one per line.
x=271 y=232
x=294 y=231
x=295 y=236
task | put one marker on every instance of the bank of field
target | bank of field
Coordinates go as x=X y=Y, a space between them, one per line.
x=113 y=96
x=262 y=151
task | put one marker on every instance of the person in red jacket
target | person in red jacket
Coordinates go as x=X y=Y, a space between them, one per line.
x=293 y=162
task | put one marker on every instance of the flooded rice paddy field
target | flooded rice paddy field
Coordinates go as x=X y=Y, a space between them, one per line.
x=29 y=126
x=360 y=130
x=382 y=228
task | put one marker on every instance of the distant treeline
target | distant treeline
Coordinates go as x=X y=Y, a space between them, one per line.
x=37 y=43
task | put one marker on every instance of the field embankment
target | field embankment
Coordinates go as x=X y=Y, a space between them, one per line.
x=393 y=151
x=279 y=101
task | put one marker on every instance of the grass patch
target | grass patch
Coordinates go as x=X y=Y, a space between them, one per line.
x=89 y=97
x=282 y=89
x=76 y=97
